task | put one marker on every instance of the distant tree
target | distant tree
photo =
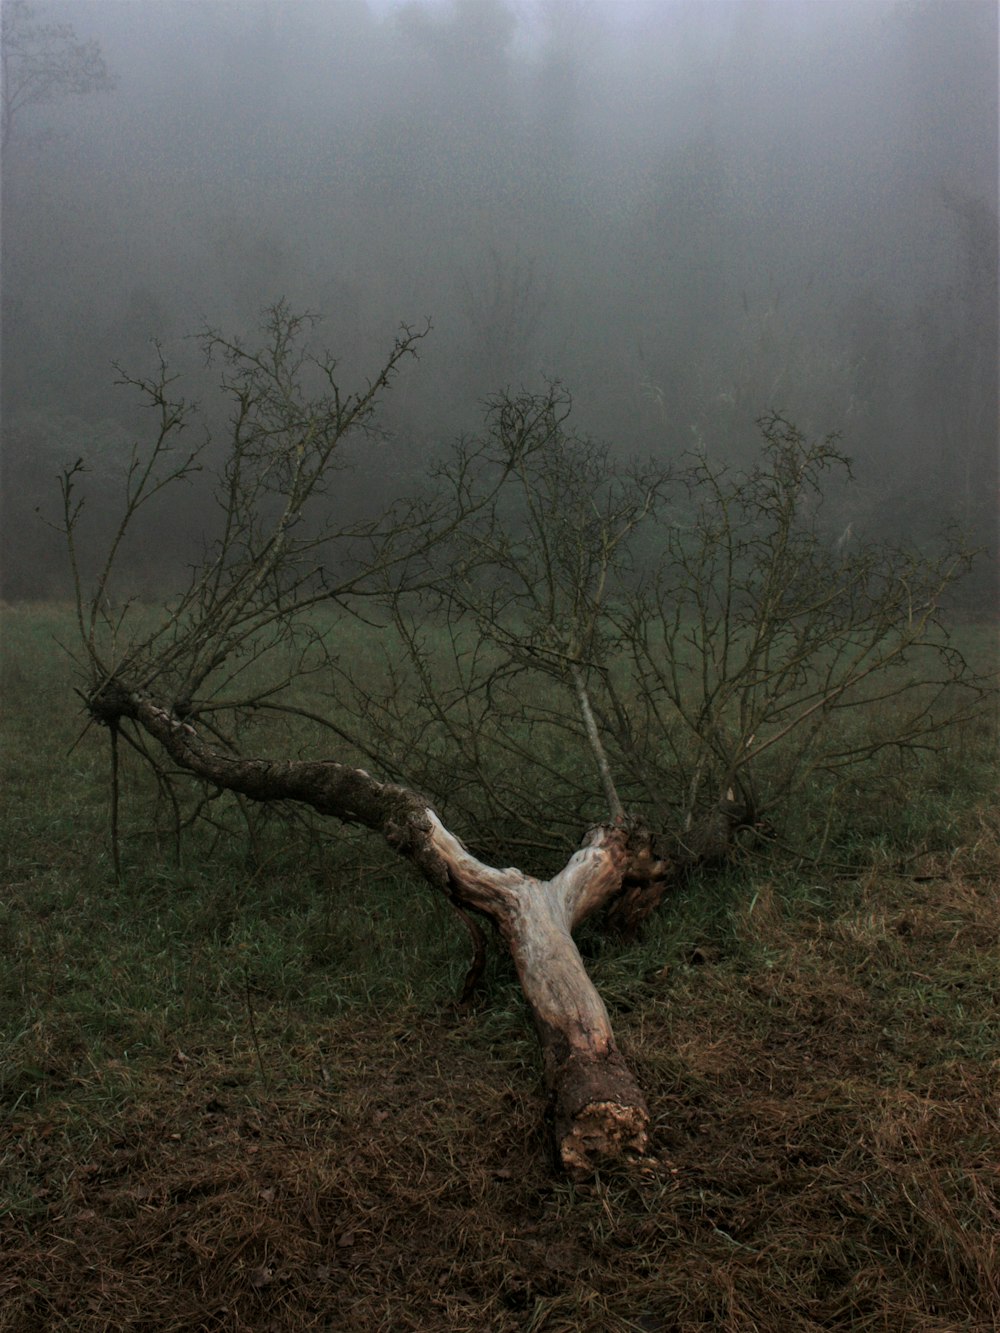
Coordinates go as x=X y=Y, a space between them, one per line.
x=664 y=659
x=959 y=375
x=503 y=301
x=44 y=62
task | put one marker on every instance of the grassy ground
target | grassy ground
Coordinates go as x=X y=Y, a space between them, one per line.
x=235 y=1096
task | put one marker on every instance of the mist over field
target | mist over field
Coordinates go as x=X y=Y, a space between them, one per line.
x=283 y=1046
x=689 y=213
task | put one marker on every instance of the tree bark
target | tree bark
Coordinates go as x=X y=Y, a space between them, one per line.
x=599 y=1112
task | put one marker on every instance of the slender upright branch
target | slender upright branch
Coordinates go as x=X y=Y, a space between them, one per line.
x=615 y=807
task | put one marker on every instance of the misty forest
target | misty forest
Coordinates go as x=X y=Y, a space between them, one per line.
x=558 y=435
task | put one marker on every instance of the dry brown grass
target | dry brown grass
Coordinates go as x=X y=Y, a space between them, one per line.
x=825 y=1094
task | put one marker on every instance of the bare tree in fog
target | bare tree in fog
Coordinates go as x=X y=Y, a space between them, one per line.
x=638 y=168
x=662 y=659
x=503 y=302
x=44 y=62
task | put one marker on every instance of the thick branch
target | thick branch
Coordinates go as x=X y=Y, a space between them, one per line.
x=599 y=1111
x=349 y=794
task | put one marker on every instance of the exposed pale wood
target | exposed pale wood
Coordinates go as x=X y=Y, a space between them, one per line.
x=596 y=745
x=598 y=1108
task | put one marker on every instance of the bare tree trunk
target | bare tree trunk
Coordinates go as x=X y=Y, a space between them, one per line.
x=599 y=1111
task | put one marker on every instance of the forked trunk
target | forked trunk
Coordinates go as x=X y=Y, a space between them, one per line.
x=598 y=1109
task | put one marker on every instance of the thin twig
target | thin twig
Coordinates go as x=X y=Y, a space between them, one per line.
x=116 y=856
x=253 y=1027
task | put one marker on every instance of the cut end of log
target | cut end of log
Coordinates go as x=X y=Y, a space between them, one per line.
x=604 y=1132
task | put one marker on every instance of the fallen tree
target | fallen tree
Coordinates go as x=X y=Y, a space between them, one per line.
x=668 y=632
x=599 y=1110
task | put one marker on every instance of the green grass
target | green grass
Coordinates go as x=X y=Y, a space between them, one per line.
x=313 y=919
x=234 y=1095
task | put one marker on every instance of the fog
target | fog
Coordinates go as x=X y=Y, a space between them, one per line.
x=690 y=212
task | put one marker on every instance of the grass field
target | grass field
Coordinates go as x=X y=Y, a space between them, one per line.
x=235 y=1095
